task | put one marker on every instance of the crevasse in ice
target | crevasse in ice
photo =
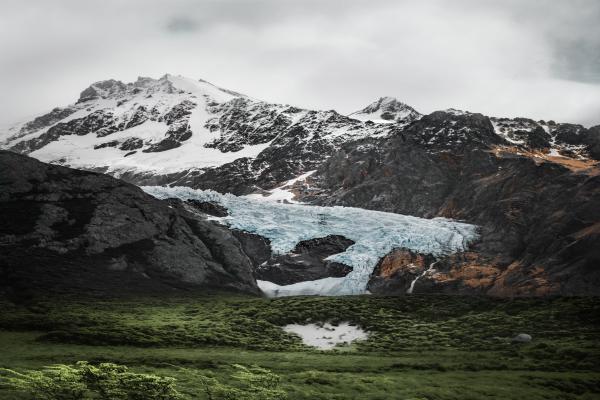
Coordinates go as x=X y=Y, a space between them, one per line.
x=376 y=233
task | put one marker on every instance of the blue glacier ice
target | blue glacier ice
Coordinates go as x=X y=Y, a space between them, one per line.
x=376 y=233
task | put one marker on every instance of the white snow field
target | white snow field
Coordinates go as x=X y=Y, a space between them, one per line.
x=376 y=233
x=80 y=152
x=327 y=336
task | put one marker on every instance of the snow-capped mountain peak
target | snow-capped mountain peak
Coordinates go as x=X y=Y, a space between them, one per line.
x=190 y=132
x=167 y=84
x=386 y=110
x=177 y=125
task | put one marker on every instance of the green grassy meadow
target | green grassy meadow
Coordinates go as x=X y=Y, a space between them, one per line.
x=420 y=347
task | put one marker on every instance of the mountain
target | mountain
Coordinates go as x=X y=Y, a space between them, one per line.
x=532 y=187
x=64 y=230
x=387 y=110
x=539 y=213
x=181 y=131
x=184 y=131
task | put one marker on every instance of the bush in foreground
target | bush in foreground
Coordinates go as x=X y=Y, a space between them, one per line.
x=108 y=381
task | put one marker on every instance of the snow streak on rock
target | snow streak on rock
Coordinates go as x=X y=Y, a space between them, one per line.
x=375 y=233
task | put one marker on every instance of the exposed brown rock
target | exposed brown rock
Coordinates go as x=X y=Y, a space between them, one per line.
x=466 y=272
x=399 y=260
x=395 y=272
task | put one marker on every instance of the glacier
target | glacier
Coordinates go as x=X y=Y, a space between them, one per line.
x=375 y=233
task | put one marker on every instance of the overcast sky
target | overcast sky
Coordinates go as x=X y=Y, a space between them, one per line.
x=532 y=58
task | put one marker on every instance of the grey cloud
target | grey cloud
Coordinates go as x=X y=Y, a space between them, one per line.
x=572 y=31
x=578 y=60
x=536 y=58
x=182 y=25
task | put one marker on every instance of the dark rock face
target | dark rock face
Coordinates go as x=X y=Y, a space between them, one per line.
x=570 y=134
x=306 y=262
x=132 y=144
x=538 y=139
x=241 y=122
x=101 y=122
x=208 y=207
x=257 y=248
x=112 y=143
x=69 y=230
x=592 y=141
x=539 y=219
x=101 y=89
x=45 y=120
x=323 y=247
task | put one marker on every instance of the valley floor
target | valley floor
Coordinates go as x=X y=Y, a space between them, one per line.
x=419 y=347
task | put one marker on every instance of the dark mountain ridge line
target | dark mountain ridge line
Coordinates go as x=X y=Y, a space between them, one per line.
x=267 y=171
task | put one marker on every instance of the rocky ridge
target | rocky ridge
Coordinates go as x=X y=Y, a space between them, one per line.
x=65 y=230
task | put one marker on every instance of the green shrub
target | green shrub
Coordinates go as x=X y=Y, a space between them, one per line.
x=84 y=381
x=58 y=382
x=108 y=381
x=251 y=383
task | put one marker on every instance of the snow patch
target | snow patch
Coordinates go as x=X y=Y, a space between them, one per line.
x=327 y=336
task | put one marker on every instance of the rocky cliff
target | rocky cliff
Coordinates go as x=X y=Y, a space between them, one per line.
x=540 y=214
x=68 y=230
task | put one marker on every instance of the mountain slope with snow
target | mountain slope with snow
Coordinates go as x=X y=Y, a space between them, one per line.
x=180 y=131
x=176 y=125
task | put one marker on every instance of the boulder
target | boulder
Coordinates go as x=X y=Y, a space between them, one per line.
x=522 y=338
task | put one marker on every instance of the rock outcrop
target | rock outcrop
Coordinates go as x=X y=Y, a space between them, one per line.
x=395 y=272
x=539 y=214
x=68 y=230
x=307 y=262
